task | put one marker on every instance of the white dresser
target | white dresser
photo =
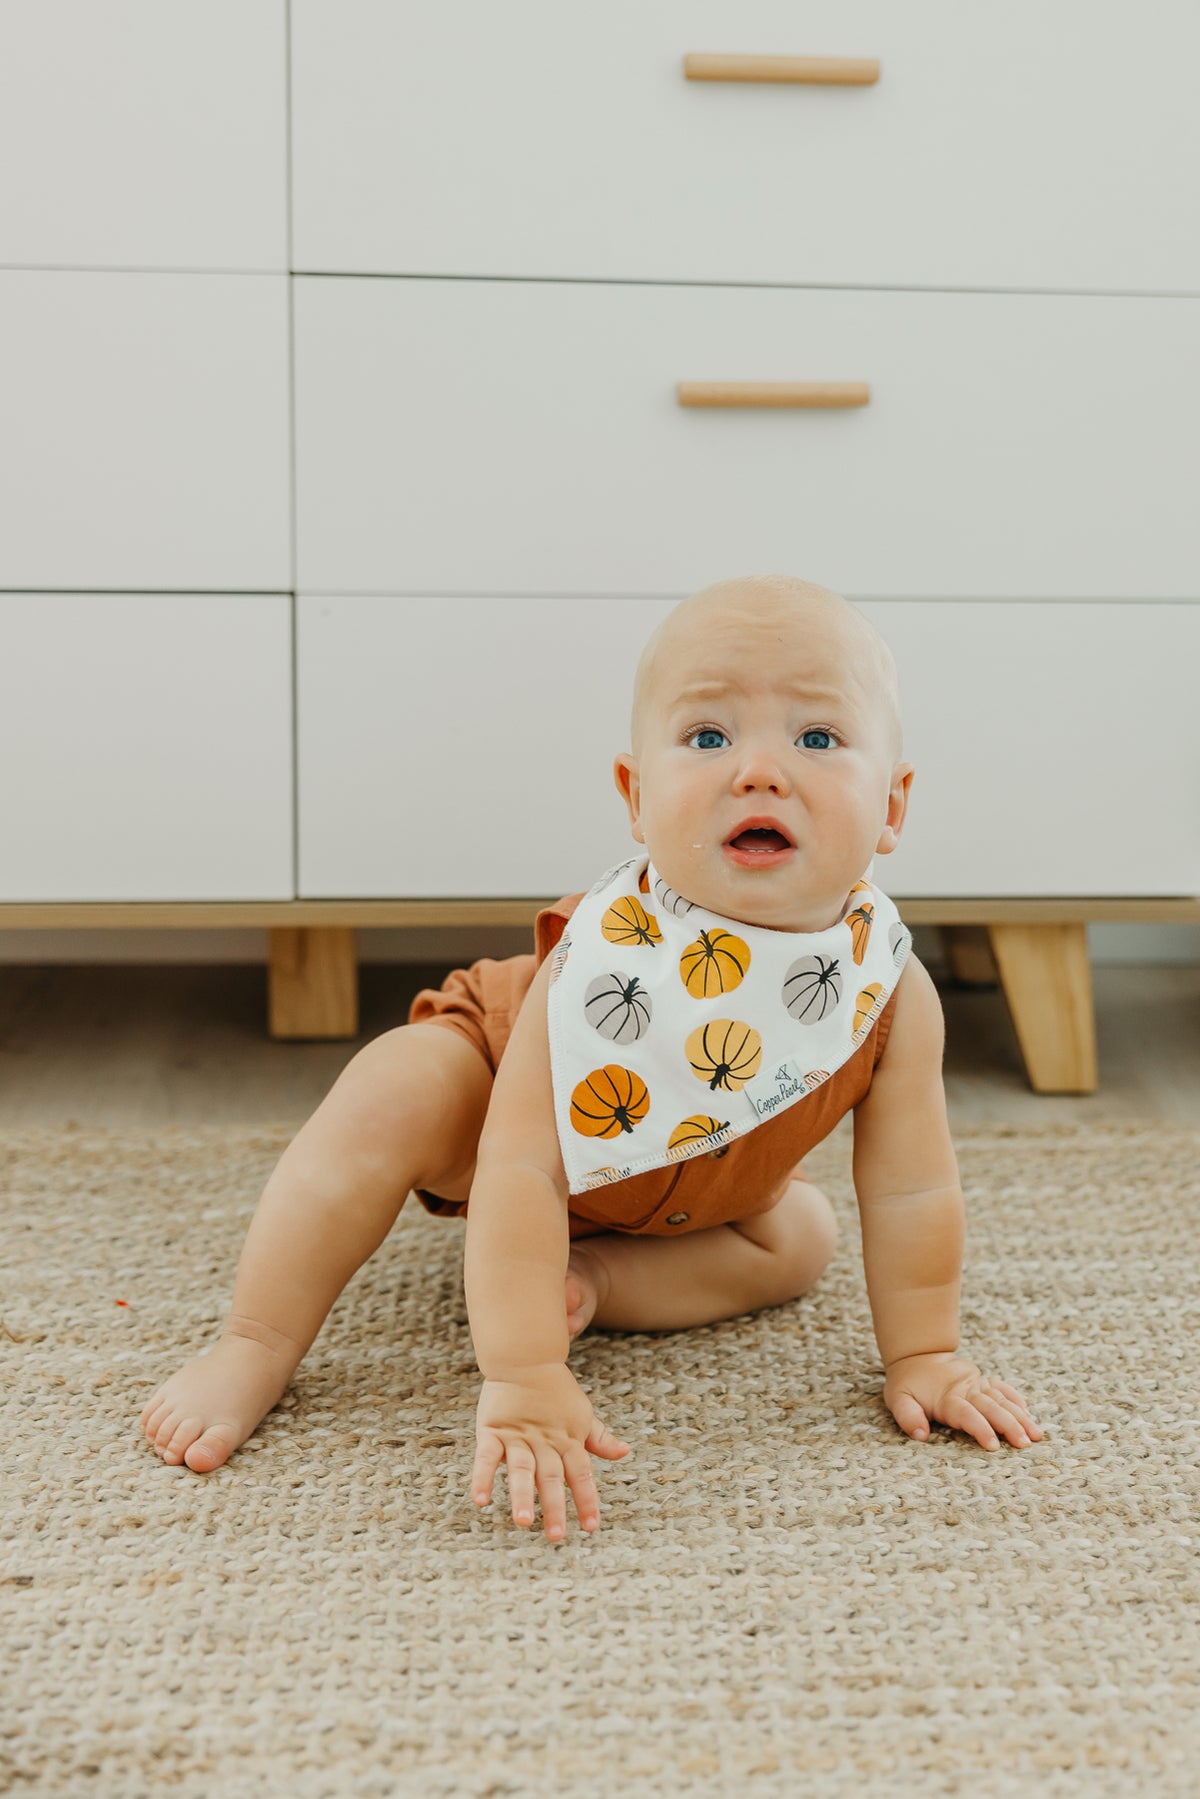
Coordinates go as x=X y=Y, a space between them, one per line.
x=307 y=517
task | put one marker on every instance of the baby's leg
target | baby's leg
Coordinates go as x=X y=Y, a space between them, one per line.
x=634 y=1283
x=405 y=1112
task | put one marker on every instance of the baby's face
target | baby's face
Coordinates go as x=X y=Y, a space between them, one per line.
x=780 y=719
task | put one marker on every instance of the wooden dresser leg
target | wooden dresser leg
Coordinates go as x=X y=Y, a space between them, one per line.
x=1047 y=982
x=967 y=955
x=313 y=982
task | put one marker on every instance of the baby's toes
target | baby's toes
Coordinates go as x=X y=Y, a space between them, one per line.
x=176 y=1435
x=215 y=1446
x=153 y=1413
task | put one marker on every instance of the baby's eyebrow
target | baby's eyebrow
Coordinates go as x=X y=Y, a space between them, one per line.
x=715 y=690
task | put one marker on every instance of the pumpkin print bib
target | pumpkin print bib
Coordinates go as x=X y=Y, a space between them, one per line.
x=673 y=1030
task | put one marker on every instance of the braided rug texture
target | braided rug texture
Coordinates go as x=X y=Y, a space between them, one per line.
x=786 y=1595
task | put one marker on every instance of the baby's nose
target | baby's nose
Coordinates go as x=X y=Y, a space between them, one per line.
x=762 y=768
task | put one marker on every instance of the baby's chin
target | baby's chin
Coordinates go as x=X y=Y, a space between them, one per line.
x=777 y=899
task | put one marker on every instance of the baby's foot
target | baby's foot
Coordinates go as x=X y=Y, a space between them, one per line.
x=202 y=1414
x=587 y=1284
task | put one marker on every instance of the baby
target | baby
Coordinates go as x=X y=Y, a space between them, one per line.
x=743 y=963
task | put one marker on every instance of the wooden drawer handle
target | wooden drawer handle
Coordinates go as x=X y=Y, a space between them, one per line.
x=773 y=393
x=818 y=71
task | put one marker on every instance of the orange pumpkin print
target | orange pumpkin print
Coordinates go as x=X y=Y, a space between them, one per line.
x=725 y=1052
x=611 y=1100
x=644 y=880
x=627 y=922
x=715 y=963
x=695 y=1129
x=860 y=922
x=866 y=1004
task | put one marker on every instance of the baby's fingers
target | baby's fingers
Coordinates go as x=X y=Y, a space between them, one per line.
x=582 y=1482
x=960 y=1414
x=1003 y=1415
x=489 y=1453
x=521 y=1475
x=601 y=1441
x=910 y=1416
x=1017 y=1405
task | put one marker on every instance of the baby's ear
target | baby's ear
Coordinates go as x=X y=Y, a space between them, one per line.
x=889 y=837
x=629 y=786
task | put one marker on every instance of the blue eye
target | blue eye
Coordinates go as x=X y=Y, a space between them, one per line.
x=707 y=731
x=815 y=738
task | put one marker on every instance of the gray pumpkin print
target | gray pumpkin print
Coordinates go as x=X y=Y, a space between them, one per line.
x=812 y=988
x=610 y=875
x=669 y=900
x=897 y=936
x=618 y=1006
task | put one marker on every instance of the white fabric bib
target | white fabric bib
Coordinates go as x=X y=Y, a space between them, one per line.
x=673 y=1030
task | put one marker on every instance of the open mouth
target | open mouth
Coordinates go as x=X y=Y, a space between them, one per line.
x=759 y=846
x=760 y=841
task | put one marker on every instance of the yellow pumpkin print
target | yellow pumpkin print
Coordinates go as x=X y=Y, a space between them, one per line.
x=715 y=963
x=611 y=1100
x=865 y=1004
x=627 y=922
x=695 y=1129
x=725 y=1052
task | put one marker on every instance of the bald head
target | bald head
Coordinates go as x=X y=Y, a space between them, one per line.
x=762 y=612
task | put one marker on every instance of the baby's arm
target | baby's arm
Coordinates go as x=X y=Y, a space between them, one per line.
x=911 y=1206
x=533 y=1414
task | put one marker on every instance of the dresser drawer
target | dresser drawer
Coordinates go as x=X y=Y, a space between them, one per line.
x=1056 y=747
x=145 y=432
x=148 y=744
x=525 y=437
x=145 y=136
x=464 y=747
x=1044 y=147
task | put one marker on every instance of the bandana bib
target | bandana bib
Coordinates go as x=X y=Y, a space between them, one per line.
x=673 y=1030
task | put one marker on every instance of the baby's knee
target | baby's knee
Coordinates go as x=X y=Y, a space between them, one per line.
x=418 y=1094
x=808 y=1234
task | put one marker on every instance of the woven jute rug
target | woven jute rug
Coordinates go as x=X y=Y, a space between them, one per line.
x=786 y=1596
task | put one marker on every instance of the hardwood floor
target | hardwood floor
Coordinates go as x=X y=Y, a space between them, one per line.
x=169 y=1044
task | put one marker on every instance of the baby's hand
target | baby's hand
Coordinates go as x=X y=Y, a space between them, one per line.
x=952 y=1390
x=541 y=1423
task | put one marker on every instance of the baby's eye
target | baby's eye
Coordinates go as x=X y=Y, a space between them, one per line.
x=817 y=731
x=705 y=731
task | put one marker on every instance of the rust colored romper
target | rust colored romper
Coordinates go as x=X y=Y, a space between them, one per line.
x=738 y=1180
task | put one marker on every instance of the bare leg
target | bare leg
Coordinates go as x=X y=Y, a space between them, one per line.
x=406 y=1112
x=634 y=1283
